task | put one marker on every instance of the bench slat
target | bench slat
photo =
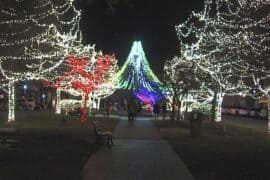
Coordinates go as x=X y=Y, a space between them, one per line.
x=102 y=135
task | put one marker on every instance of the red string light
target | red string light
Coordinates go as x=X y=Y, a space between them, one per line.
x=84 y=76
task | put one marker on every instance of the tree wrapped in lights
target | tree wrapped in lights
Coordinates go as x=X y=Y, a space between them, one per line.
x=249 y=21
x=180 y=77
x=246 y=25
x=105 y=89
x=102 y=90
x=210 y=48
x=137 y=76
x=34 y=38
x=187 y=83
x=81 y=51
x=85 y=75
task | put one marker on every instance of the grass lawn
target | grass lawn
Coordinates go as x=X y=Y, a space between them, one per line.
x=47 y=148
x=239 y=154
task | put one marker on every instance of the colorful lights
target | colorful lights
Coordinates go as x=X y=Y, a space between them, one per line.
x=85 y=75
x=136 y=75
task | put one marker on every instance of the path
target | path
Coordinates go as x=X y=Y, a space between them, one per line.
x=138 y=154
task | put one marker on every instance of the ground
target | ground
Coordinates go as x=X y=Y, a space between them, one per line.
x=49 y=149
x=239 y=153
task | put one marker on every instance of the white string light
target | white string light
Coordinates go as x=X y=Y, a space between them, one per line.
x=35 y=38
x=223 y=42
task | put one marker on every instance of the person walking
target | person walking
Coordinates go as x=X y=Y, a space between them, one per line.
x=156 y=110
x=132 y=110
x=108 y=106
x=164 y=109
x=139 y=108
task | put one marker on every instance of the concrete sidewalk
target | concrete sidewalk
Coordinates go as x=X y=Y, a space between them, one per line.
x=138 y=153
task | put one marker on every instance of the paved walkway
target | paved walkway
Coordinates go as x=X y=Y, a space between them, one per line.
x=138 y=154
x=123 y=116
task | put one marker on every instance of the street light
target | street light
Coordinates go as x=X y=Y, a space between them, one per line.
x=43 y=97
x=25 y=88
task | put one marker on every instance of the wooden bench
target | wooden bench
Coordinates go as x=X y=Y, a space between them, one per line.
x=102 y=135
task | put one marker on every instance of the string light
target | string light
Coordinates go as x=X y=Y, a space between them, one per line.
x=35 y=38
x=227 y=43
x=85 y=75
x=251 y=20
x=136 y=75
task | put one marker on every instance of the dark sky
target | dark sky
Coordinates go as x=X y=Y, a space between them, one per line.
x=114 y=28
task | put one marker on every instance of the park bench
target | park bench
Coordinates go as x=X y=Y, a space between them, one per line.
x=102 y=135
x=7 y=139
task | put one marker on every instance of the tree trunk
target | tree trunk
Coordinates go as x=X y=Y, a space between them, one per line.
x=98 y=104
x=213 y=109
x=268 y=116
x=182 y=113
x=90 y=103
x=219 y=107
x=187 y=104
x=84 y=108
x=11 y=101
x=178 y=109
x=173 y=115
x=218 y=112
x=58 y=99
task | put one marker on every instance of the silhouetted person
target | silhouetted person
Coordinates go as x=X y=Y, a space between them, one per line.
x=139 y=108
x=156 y=110
x=132 y=110
x=164 y=109
x=108 y=105
x=125 y=105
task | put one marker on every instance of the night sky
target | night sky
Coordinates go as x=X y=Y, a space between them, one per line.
x=114 y=26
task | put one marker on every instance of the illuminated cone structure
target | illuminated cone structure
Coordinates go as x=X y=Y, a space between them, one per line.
x=137 y=76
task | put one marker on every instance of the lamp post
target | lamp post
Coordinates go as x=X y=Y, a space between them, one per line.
x=25 y=88
x=43 y=98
